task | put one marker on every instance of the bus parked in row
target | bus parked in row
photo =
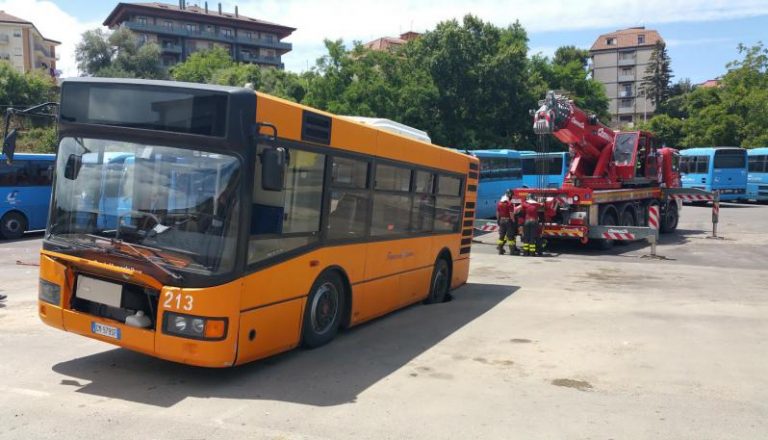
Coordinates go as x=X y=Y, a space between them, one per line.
x=757 y=174
x=500 y=170
x=544 y=170
x=215 y=225
x=718 y=169
x=25 y=192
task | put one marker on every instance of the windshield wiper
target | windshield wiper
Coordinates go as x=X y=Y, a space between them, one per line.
x=137 y=253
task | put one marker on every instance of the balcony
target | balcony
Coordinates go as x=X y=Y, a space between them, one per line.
x=265 y=42
x=43 y=51
x=627 y=61
x=171 y=48
x=275 y=61
x=204 y=35
x=627 y=78
x=626 y=93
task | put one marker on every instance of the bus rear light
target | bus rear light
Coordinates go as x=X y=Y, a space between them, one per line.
x=194 y=327
x=49 y=292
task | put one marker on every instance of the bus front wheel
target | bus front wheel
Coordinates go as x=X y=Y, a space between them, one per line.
x=324 y=309
x=13 y=225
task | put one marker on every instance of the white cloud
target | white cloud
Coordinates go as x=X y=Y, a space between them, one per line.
x=366 y=20
x=55 y=24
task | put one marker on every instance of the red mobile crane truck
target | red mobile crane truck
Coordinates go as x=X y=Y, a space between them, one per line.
x=613 y=181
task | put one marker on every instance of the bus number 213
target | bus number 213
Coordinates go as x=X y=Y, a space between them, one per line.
x=181 y=302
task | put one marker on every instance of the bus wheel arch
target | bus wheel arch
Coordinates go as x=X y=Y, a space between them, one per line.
x=346 y=316
x=325 y=308
x=13 y=224
x=441 y=279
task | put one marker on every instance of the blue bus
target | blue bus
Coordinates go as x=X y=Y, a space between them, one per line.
x=721 y=169
x=545 y=170
x=757 y=174
x=25 y=193
x=500 y=170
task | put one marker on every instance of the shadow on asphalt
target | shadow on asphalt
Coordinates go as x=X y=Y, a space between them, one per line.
x=28 y=236
x=331 y=375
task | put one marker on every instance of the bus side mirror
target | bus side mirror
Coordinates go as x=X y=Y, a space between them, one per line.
x=9 y=145
x=273 y=169
x=72 y=168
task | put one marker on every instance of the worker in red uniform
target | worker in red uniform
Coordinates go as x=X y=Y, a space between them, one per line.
x=504 y=220
x=531 y=226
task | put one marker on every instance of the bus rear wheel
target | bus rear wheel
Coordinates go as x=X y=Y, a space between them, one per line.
x=440 y=283
x=324 y=309
x=13 y=225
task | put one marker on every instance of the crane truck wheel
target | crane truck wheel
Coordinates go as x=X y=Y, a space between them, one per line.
x=671 y=218
x=608 y=217
x=628 y=218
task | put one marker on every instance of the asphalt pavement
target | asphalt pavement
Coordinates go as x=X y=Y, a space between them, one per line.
x=578 y=344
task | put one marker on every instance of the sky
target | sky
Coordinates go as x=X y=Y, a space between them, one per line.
x=702 y=35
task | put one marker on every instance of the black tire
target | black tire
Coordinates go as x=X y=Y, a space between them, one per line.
x=671 y=218
x=440 y=283
x=627 y=219
x=324 y=310
x=13 y=225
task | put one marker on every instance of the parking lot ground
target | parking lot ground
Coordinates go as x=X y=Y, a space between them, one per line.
x=577 y=344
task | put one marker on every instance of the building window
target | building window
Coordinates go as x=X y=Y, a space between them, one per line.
x=226 y=32
x=627 y=55
x=626 y=103
x=210 y=29
x=168 y=24
x=610 y=41
x=625 y=119
x=16 y=34
x=626 y=90
x=249 y=35
x=627 y=71
x=641 y=39
x=191 y=27
x=141 y=20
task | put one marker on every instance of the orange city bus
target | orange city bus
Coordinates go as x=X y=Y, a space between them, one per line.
x=214 y=226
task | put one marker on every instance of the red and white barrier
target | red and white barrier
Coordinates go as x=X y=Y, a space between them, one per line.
x=693 y=197
x=653 y=217
x=619 y=234
x=489 y=227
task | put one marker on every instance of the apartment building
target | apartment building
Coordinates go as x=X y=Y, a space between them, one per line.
x=22 y=45
x=181 y=30
x=619 y=60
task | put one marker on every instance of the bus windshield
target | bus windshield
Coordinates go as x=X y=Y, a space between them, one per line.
x=180 y=201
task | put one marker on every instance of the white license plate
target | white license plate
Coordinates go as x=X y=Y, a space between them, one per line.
x=105 y=330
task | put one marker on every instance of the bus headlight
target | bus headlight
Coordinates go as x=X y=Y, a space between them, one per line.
x=49 y=292
x=194 y=327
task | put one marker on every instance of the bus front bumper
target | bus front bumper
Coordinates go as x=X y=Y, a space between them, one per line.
x=214 y=354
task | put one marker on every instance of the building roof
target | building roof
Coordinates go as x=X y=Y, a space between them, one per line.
x=384 y=43
x=627 y=38
x=196 y=13
x=710 y=83
x=8 y=18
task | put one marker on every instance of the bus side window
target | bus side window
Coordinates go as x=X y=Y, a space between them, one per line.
x=285 y=220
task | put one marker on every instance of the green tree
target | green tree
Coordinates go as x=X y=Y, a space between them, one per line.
x=201 y=66
x=667 y=129
x=24 y=89
x=118 y=54
x=567 y=73
x=658 y=75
